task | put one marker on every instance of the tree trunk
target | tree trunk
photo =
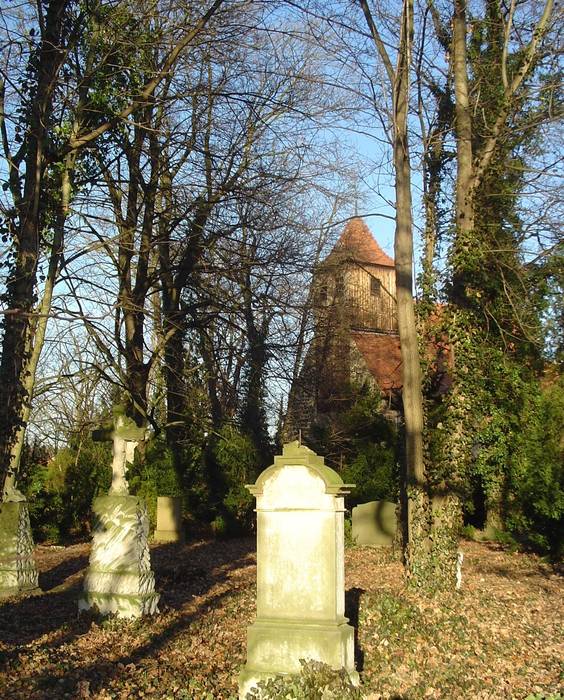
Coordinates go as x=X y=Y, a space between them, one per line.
x=174 y=277
x=21 y=283
x=464 y=217
x=417 y=546
x=433 y=174
x=37 y=335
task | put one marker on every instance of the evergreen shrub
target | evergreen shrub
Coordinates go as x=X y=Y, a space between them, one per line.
x=368 y=443
x=60 y=491
x=238 y=463
x=536 y=488
x=154 y=476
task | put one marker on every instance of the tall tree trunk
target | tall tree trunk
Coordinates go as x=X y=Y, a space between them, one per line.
x=417 y=545
x=174 y=277
x=21 y=283
x=464 y=215
x=434 y=158
x=38 y=330
x=174 y=373
x=253 y=416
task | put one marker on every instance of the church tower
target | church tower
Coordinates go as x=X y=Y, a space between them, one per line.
x=356 y=338
x=357 y=280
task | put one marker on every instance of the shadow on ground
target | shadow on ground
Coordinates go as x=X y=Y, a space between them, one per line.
x=57 y=575
x=352 y=607
x=182 y=573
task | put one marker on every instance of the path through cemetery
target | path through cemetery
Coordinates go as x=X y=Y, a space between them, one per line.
x=497 y=638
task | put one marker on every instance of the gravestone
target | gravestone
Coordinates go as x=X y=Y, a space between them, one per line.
x=18 y=573
x=374 y=523
x=119 y=579
x=169 y=519
x=300 y=570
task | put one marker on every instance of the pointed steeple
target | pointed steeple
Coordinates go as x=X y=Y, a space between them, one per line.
x=357 y=243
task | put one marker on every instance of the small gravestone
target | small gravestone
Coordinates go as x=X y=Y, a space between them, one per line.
x=300 y=570
x=169 y=520
x=119 y=578
x=374 y=523
x=18 y=573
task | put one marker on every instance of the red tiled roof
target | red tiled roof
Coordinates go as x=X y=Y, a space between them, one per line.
x=357 y=242
x=382 y=356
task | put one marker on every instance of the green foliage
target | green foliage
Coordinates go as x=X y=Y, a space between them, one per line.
x=154 y=476
x=220 y=527
x=350 y=541
x=394 y=615
x=369 y=444
x=195 y=486
x=45 y=506
x=469 y=532
x=61 y=492
x=119 y=71
x=87 y=476
x=498 y=433
x=238 y=463
x=373 y=471
x=316 y=681
x=537 y=473
x=506 y=539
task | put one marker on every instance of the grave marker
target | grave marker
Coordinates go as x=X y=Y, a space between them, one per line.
x=119 y=578
x=300 y=570
x=374 y=523
x=169 y=519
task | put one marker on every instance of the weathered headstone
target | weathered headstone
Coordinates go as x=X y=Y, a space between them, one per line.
x=300 y=570
x=169 y=519
x=18 y=573
x=374 y=523
x=119 y=578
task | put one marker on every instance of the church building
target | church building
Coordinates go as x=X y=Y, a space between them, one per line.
x=356 y=341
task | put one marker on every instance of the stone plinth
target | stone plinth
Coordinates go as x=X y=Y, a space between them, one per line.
x=119 y=579
x=169 y=519
x=300 y=570
x=17 y=565
x=374 y=523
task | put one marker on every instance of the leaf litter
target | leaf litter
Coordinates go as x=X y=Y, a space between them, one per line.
x=500 y=636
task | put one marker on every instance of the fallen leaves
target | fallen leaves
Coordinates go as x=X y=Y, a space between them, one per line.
x=498 y=638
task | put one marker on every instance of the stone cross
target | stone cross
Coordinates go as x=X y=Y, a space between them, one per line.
x=125 y=435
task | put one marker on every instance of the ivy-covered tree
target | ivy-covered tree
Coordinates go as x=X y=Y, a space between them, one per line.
x=492 y=320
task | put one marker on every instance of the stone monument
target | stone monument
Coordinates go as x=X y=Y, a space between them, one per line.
x=169 y=519
x=119 y=578
x=18 y=573
x=374 y=523
x=300 y=570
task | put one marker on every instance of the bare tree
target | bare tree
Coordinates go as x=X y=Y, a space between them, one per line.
x=29 y=165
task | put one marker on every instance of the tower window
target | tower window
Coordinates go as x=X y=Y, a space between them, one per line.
x=339 y=286
x=375 y=287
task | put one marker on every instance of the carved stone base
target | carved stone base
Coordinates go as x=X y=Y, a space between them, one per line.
x=275 y=647
x=119 y=579
x=18 y=573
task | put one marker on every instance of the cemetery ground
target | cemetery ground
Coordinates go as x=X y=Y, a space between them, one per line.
x=499 y=637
